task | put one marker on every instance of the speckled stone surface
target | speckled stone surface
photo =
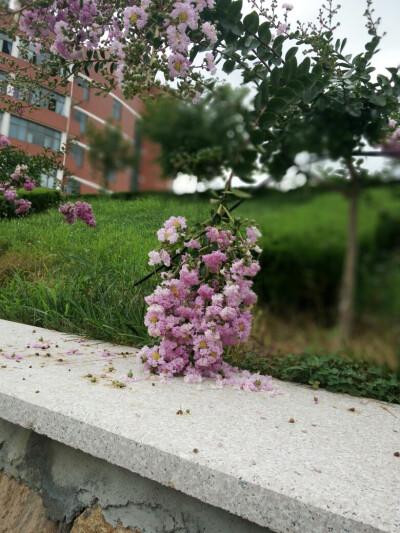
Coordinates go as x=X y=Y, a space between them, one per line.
x=332 y=469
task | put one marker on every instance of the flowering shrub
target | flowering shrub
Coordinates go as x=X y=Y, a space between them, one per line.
x=9 y=201
x=203 y=304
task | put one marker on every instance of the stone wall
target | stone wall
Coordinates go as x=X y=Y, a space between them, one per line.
x=48 y=487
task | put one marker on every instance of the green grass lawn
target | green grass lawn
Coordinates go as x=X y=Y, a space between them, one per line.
x=80 y=279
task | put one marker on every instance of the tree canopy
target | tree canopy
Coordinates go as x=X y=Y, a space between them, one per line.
x=204 y=139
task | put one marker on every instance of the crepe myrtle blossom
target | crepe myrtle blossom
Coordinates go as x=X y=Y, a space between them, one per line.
x=74 y=351
x=12 y=356
x=135 y=16
x=127 y=28
x=287 y=6
x=178 y=41
x=392 y=142
x=184 y=14
x=210 y=32
x=281 y=28
x=4 y=141
x=178 y=65
x=81 y=210
x=210 y=63
x=202 y=304
x=19 y=179
x=22 y=206
x=39 y=345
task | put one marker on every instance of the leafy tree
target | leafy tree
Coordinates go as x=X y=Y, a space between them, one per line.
x=109 y=151
x=330 y=104
x=204 y=139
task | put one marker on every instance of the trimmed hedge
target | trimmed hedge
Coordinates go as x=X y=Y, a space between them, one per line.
x=41 y=198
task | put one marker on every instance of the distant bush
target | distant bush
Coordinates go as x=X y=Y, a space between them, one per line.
x=387 y=236
x=297 y=276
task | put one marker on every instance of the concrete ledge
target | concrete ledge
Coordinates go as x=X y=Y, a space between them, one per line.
x=332 y=469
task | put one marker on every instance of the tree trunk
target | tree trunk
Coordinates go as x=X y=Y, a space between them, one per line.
x=348 y=283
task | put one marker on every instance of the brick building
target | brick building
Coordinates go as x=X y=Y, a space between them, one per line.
x=65 y=116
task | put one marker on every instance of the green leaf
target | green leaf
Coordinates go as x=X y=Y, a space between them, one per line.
x=229 y=66
x=263 y=91
x=256 y=136
x=251 y=22
x=289 y=69
x=267 y=120
x=275 y=77
x=291 y=53
x=277 y=105
x=264 y=32
x=257 y=103
x=296 y=86
x=378 y=100
x=370 y=47
x=240 y=194
x=317 y=70
x=235 y=9
x=304 y=67
x=246 y=179
x=287 y=94
x=278 y=42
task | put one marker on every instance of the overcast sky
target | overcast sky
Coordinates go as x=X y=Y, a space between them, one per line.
x=352 y=26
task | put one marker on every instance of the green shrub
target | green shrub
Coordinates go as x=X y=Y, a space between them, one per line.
x=41 y=198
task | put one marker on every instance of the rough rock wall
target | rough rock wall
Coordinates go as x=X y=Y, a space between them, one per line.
x=22 y=511
x=48 y=487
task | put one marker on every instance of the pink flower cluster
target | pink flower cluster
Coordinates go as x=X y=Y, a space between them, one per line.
x=81 y=25
x=203 y=305
x=392 y=143
x=13 y=356
x=9 y=201
x=4 y=141
x=81 y=210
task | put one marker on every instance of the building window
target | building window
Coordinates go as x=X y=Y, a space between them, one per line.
x=30 y=53
x=5 y=44
x=47 y=100
x=82 y=119
x=49 y=179
x=25 y=130
x=77 y=152
x=111 y=175
x=85 y=86
x=73 y=186
x=3 y=82
x=116 y=109
x=42 y=98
